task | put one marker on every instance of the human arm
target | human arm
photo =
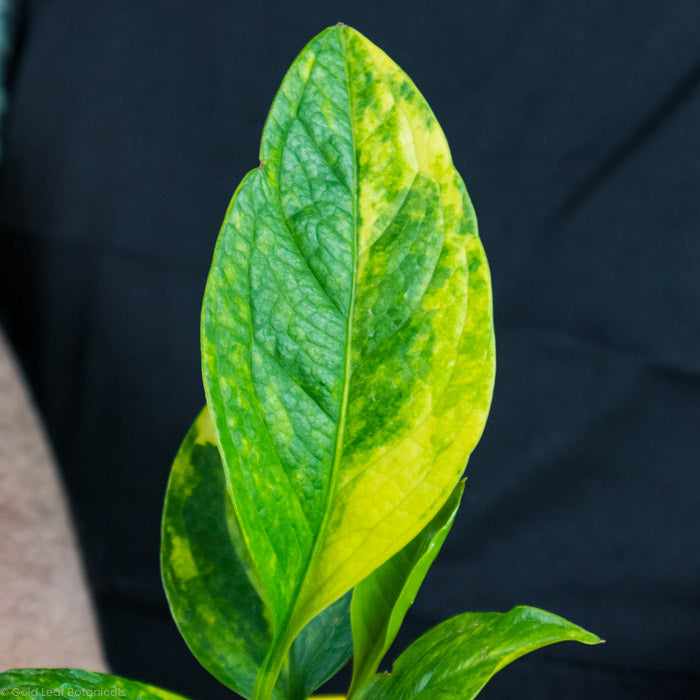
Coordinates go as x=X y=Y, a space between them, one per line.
x=46 y=616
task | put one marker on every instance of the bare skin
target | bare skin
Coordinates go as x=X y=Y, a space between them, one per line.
x=46 y=616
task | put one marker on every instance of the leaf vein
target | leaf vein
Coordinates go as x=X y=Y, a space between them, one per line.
x=397 y=211
x=258 y=404
x=275 y=359
x=317 y=148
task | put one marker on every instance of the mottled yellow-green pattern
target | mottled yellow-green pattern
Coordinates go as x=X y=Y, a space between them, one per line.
x=347 y=336
x=211 y=597
x=211 y=590
x=71 y=682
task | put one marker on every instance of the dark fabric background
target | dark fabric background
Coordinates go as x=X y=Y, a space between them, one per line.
x=575 y=126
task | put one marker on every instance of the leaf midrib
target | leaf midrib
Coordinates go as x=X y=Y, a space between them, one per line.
x=347 y=369
x=290 y=623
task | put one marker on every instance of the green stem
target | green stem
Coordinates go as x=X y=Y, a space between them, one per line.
x=357 y=681
x=272 y=666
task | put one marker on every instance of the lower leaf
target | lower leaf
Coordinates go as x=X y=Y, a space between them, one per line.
x=72 y=682
x=321 y=650
x=456 y=658
x=211 y=597
x=211 y=585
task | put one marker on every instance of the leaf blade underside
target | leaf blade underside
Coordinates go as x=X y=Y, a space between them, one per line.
x=346 y=374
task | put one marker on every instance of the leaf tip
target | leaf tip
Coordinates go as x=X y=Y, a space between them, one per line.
x=585 y=637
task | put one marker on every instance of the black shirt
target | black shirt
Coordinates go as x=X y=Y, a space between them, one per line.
x=575 y=127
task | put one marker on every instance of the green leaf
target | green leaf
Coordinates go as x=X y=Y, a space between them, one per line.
x=214 y=604
x=208 y=582
x=70 y=682
x=381 y=601
x=458 y=657
x=321 y=650
x=347 y=338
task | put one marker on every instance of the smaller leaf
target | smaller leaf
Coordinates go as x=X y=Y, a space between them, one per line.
x=456 y=658
x=212 y=600
x=72 y=682
x=381 y=601
x=321 y=650
x=210 y=583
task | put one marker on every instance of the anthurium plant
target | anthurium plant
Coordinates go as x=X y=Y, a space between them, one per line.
x=348 y=363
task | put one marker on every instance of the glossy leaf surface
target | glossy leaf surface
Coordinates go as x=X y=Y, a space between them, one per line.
x=208 y=583
x=457 y=657
x=40 y=682
x=346 y=331
x=380 y=602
